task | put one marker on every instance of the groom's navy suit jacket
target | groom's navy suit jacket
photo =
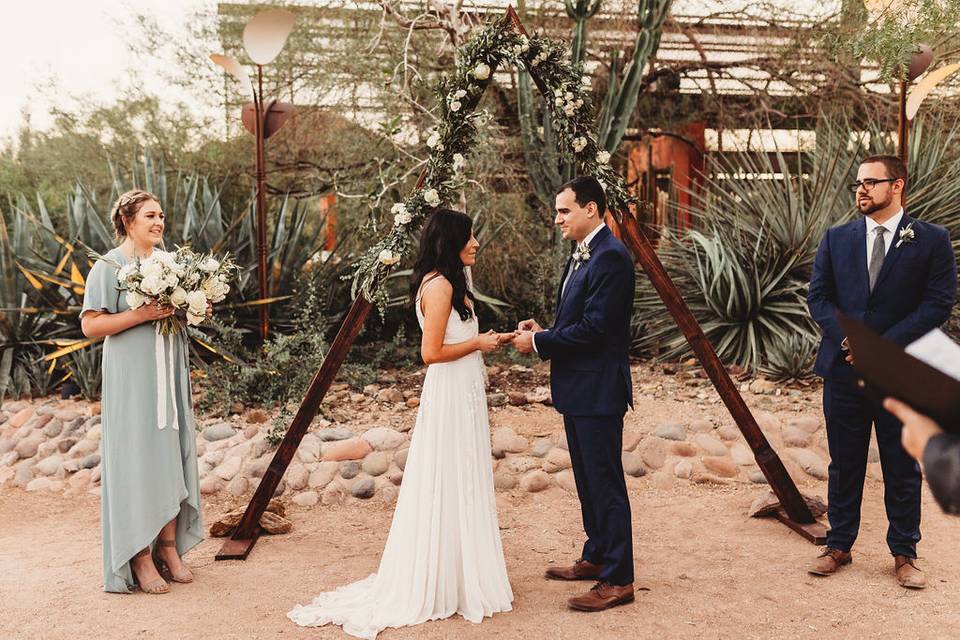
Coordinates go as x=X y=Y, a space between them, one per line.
x=914 y=292
x=589 y=342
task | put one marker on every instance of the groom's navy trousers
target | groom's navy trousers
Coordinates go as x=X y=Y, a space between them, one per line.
x=590 y=382
x=914 y=293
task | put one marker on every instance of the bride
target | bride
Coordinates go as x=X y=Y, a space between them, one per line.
x=443 y=553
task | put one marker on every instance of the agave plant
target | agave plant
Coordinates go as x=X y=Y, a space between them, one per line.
x=744 y=271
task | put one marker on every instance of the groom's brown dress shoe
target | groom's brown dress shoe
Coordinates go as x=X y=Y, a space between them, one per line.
x=829 y=561
x=602 y=595
x=908 y=575
x=581 y=570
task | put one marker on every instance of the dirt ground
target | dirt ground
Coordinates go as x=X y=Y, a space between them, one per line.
x=704 y=570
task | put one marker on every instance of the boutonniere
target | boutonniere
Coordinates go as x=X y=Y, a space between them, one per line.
x=907 y=234
x=580 y=255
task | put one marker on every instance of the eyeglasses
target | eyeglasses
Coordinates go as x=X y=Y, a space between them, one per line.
x=868 y=184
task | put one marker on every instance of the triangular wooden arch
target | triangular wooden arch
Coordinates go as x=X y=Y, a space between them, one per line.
x=795 y=512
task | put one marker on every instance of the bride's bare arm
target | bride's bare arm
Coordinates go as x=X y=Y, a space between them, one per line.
x=436 y=304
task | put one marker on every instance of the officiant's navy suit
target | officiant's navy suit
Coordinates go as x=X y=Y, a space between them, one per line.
x=590 y=382
x=913 y=293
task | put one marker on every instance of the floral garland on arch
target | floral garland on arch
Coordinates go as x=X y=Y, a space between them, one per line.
x=572 y=114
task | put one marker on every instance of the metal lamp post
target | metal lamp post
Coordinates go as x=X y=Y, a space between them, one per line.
x=263 y=38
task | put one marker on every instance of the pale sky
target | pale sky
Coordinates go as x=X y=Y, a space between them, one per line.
x=78 y=45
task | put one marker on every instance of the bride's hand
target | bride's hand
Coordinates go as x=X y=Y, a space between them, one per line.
x=488 y=341
x=504 y=338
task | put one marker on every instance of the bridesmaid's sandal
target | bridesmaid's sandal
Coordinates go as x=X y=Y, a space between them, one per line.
x=185 y=577
x=154 y=587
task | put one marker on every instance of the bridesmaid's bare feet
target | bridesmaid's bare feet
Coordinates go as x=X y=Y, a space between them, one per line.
x=146 y=575
x=167 y=554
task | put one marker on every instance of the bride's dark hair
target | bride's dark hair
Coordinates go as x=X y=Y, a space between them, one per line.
x=444 y=236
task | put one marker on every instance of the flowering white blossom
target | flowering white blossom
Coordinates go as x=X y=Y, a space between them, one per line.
x=481 y=72
x=210 y=265
x=135 y=300
x=586 y=81
x=569 y=109
x=151 y=267
x=434 y=140
x=401 y=218
x=398 y=208
x=194 y=319
x=460 y=93
x=455 y=106
x=197 y=303
x=558 y=102
x=388 y=257
x=431 y=197
x=603 y=157
x=215 y=289
x=568 y=96
x=152 y=284
x=126 y=271
x=459 y=162
x=579 y=144
x=179 y=297
x=558 y=93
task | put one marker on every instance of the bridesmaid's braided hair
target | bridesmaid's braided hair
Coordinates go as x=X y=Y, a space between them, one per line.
x=126 y=207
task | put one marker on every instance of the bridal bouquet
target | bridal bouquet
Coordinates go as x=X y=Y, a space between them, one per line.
x=185 y=280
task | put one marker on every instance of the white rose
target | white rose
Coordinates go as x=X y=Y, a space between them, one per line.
x=578 y=103
x=170 y=281
x=388 y=257
x=179 y=297
x=569 y=110
x=558 y=102
x=481 y=72
x=603 y=157
x=455 y=106
x=431 y=197
x=164 y=257
x=402 y=218
x=194 y=319
x=125 y=272
x=579 y=144
x=197 y=303
x=135 y=300
x=210 y=265
x=458 y=161
x=558 y=93
x=568 y=96
x=151 y=284
x=433 y=140
x=459 y=94
x=150 y=267
x=398 y=208
x=586 y=81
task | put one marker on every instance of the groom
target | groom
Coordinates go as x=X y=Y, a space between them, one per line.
x=591 y=387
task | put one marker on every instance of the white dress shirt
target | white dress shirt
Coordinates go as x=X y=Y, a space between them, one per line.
x=585 y=241
x=888 y=238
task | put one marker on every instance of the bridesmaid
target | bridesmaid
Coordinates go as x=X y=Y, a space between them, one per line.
x=150 y=496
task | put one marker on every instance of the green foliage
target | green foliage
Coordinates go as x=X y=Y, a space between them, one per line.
x=744 y=272
x=892 y=36
x=279 y=372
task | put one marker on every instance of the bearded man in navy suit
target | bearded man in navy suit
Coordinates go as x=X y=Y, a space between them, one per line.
x=590 y=382
x=898 y=276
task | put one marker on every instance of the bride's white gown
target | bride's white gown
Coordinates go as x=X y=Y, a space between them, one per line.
x=443 y=553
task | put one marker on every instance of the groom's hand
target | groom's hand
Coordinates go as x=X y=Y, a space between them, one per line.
x=523 y=342
x=529 y=325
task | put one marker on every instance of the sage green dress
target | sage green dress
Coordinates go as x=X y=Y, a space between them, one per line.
x=149 y=474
